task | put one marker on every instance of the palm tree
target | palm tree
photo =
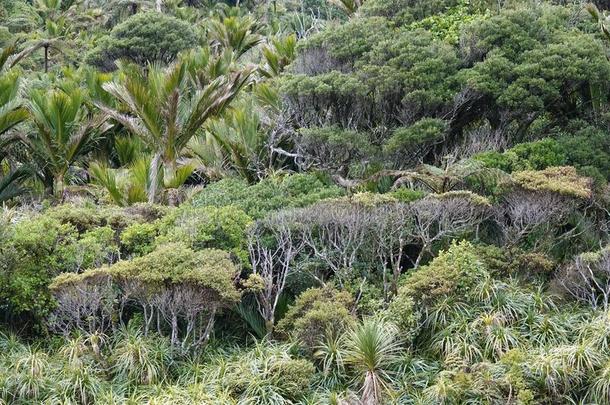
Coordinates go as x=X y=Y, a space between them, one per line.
x=11 y=114
x=165 y=111
x=238 y=34
x=372 y=349
x=11 y=110
x=278 y=54
x=349 y=7
x=600 y=18
x=239 y=136
x=66 y=131
x=10 y=183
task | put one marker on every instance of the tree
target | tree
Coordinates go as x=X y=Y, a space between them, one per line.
x=587 y=278
x=238 y=34
x=443 y=216
x=66 y=130
x=175 y=287
x=11 y=114
x=539 y=201
x=165 y=111
x=273 y=245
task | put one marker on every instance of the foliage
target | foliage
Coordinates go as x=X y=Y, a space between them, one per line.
x=143 y=38
x=356 y=202
x=270 y=194
x=562 y=180
x=208 y=227
x=453 y=273
x=317 y=314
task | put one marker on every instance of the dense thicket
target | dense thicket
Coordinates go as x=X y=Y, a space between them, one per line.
x=304 y=202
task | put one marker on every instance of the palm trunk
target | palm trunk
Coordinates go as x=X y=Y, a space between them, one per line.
x=58 y=186
x=46 y=59
x=154 y=178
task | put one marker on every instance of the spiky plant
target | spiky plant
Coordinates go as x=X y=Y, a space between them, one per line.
x=330 y=357
x=234 y=33
x=372 y=350
x=140 y=359
x=30 y=381
x=599 y=391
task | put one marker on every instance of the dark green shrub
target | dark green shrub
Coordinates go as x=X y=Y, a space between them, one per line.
x=144 y=37
x=139 y=238
x=37 y=250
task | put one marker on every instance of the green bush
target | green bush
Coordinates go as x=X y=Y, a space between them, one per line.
x=139 y=238
x=588 y=148
x=294 y=376
x=453 y=273
x=317 y=313
x=208 y=227
x=270 y=194
x=144 y=37
x=403 y=312
x=537 y=155
x=425 y=132
x=37 y=250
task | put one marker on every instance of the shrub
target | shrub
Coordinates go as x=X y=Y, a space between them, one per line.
x=139 y=239
x=536 y=155
x=271 y=194
x=37 y=250
x=453 y=273
x=333 y=147
x=316 y=314
x=208 y=227
x=294 y=377
x=417 y=139
x=403 y=312
x=561 y=180
x=183 y=288
x=144 y=37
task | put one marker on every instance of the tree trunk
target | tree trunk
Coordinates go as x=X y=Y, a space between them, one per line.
x=154 y=178
x=46 y=58
x=58 y=186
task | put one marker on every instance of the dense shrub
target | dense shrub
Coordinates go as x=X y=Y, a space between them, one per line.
x=144 y=37
x=36 y=250
x=317 y=313
x=455 y=272
x=208 y=227
x=270 y=194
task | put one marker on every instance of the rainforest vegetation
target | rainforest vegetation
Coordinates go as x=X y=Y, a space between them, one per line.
x=350 y=202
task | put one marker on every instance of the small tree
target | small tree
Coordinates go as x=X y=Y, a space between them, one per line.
x=274 y=244
x=85 y=302
x=448 y=215
x=587 y=278
x=165 y=112
x=540 y=201
x=177 y=289
x=66 y=132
